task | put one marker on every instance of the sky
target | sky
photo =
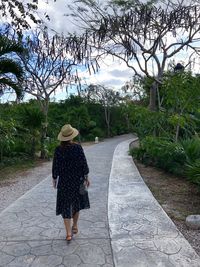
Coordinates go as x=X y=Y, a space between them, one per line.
x=113 y=74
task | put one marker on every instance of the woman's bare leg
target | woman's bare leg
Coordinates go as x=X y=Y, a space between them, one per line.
x=75 y=220
x=67 y=223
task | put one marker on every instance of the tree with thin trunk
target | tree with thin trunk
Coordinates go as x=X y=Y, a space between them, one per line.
x=146 y=36
x=52 y=62
x=105 y=96
x=181 y=92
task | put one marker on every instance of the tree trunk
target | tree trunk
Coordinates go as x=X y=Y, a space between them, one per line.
x=44 y=130
x=107 y=119
x=33 y=143
x=152 y=97
x=177 y=132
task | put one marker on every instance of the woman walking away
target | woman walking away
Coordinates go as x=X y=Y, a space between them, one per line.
x=70 y=177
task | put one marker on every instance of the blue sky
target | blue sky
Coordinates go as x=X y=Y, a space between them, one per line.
x=112 y=73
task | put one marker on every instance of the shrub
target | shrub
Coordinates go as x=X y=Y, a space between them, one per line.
x=193 y=172
x=192 y=149
x=97 y=132
x=90 y=137
x=50 y=148
x=161 y=153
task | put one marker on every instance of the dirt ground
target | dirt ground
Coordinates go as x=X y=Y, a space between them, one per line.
x=178 y=197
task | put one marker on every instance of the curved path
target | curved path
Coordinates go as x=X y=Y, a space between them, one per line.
x=141 y=234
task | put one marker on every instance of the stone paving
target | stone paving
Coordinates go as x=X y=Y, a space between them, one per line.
x=32 y=236
x=140 y=232
x=142 y=235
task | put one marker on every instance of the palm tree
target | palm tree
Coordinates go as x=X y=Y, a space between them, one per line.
x=32 y=119
x=11 y=71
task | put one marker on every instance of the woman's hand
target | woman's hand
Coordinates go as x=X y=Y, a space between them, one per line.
x=54 y=182
x=87 y=182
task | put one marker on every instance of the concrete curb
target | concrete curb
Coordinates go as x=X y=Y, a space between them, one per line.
x=142 y=234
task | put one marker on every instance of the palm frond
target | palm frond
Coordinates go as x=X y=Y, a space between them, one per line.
x=8 y=65
x=6 y=83
x=9 y=46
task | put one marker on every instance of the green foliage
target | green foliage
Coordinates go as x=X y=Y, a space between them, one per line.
x=50 y=147
x=181 y=92
x=182 y=158
x=7 y=133
x=192 y=149
x=31 y=117
x=86 y=116
x=96 y=132
x=193 y=172
x=161 y=153
x=11 y=71
x=180 y=99
x=145 y=122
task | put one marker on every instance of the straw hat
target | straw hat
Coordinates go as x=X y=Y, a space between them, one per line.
x=67 y=133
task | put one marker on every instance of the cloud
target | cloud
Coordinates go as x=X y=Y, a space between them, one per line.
x=121 y=73
x=114 y=82
x=112 y=73
x=56 y=12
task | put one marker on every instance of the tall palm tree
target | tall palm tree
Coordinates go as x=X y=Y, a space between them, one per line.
x=11 y=71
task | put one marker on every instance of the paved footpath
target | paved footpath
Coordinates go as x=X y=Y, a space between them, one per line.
x=140 y=233
x=31 y=234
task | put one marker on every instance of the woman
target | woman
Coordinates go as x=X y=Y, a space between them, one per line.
x=70 y=177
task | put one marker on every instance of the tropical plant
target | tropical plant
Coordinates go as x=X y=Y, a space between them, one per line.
x=161 y=153
x=11 y=71
x=32 y=119
x=180 y=92
x=192 y=149
x=193 y=172
x=7 y=133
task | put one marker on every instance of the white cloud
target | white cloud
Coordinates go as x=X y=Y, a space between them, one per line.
x=112 y=73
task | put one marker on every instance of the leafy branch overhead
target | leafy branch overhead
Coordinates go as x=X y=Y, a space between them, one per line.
x=145 y=36
x=54 y=60
x=19 y=13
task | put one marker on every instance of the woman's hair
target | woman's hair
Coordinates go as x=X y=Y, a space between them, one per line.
x=66 y=143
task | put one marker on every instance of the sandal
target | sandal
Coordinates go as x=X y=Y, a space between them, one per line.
x=74 y=230
x=68 y=237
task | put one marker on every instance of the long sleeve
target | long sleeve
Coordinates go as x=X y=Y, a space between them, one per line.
x=84 y=162
x=55 y=166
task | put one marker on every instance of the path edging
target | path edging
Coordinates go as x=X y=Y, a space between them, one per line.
x=141 y=232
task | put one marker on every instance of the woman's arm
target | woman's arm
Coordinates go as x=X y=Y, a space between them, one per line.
x=85 y=167
x=55 y=169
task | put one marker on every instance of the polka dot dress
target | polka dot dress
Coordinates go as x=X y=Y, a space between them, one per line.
x=70 y=166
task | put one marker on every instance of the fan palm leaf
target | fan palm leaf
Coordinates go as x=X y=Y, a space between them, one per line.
x=8 y=46
x=8 y=65
x=6 y=82
x=11 y=71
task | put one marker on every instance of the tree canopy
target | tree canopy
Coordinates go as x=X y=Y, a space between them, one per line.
x=146 y=36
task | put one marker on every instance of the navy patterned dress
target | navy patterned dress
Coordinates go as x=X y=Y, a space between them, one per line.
x=70 y=167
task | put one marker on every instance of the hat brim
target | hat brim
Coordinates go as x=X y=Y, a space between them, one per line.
x=68 y=138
